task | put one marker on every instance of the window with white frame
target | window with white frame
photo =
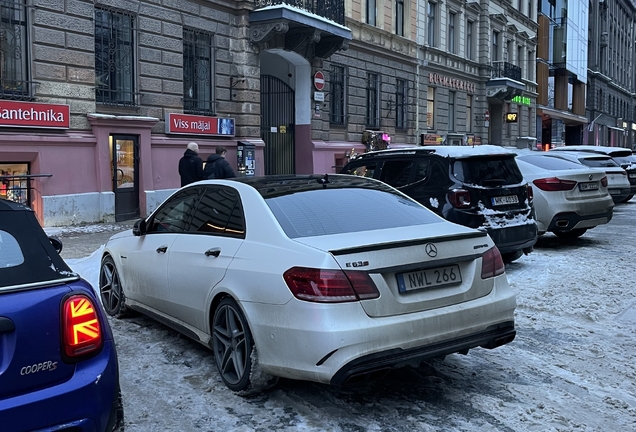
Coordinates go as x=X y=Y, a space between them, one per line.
x=371 y=12
x=198 y=72
x=373 y=100
x=399 y=17
x=470 y=28
x=495 y=46
x=451 y=33
x=430 y=23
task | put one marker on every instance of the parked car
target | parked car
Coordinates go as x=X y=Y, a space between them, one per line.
x=569 y=198
x=622 y=156
x=478 y=187
x=302 y=277
x=617 y=181
x=58 y=363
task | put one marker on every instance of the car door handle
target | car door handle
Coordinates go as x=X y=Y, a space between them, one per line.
x=215 y=252
x=162 y=249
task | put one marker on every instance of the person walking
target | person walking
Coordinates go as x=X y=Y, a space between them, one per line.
x=191 y=165
x=217 y=167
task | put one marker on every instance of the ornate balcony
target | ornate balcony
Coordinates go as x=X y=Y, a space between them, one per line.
x=312 y=28
x=505 y=81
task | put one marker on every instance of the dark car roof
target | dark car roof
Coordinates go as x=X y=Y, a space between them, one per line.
x=453 y=152
x=42 y=265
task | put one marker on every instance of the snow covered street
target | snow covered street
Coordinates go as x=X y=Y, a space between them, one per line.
x=572 y=366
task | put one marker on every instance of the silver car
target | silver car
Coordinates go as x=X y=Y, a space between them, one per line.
x=569 y=198
x=333 y=279
x=617 y=180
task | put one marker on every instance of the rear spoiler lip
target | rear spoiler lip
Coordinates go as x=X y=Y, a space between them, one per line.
x=414 y=242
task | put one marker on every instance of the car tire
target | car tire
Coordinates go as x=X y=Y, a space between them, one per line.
x=627 y=199
x=570 y=235
x=235 y=353
x=111 y=290
x=509 y=257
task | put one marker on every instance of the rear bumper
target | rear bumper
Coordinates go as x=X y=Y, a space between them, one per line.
x=376 y=365
x=565 y=222
x=619 y=194
x=514 y=238
x=333 y=343
x=84 y=403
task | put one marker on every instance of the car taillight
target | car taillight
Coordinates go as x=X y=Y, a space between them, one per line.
x=491 y=263
x=604 y=181
x=330 y=286
x=530 y=193
x=81 y=328
x=459 y=198
x=553 y=184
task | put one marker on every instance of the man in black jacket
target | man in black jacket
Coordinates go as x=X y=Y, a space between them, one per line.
x=191 y=165
x=217 y=167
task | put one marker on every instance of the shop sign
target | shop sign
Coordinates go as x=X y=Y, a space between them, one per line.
x=454 y=83
x=36 y=115
x=432 y=139
x=522 y=100
x=199 y=125
x=511 y=117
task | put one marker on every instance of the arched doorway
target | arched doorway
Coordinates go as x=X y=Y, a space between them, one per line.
x=278 y=111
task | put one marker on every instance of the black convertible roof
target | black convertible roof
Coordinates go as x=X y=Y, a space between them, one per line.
x=42 y=265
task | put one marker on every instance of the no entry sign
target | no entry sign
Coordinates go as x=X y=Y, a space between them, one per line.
x=319 y=81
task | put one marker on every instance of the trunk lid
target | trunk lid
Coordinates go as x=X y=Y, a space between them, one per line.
x=414 y=268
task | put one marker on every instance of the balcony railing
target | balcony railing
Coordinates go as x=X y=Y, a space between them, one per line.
x=504 y=69
x=17 y=90
x=331 y=9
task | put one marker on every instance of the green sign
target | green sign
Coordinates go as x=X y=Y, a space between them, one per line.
x=523 y=100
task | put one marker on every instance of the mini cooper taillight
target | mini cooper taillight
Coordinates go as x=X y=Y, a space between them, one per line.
x=330 y=286
x=459 y=198
x=554 y=184
x=604 y=181
x=491 y=263
x=81 y=328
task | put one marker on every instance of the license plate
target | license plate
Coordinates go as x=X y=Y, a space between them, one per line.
x=632 y=175
x=429 y=278
x=588 y=186
x=503 y=200
x=615 y=191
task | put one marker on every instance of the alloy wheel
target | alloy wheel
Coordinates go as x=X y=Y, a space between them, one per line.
x=110 y=288
x=232 y=346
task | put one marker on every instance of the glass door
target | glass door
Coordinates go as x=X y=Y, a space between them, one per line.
x=124 y=162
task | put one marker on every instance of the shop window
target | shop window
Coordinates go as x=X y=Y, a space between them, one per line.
x=114 y=58
x=14 y=183
x=373 y=100
x=198 y=72
x=14 y=82
x=400 y=104
x=430 y=108
x=338 y=99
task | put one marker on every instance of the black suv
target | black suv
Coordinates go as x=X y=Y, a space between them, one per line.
x=478 y=187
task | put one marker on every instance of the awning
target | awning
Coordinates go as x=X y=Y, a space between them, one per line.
x=567 y=117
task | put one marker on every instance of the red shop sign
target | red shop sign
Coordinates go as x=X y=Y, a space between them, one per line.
x=199 y=125
x=32 y=114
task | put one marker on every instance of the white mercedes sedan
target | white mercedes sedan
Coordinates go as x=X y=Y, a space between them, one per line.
x=334 y=279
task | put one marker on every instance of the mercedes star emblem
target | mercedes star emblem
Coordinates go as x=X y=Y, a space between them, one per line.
x=431 y=250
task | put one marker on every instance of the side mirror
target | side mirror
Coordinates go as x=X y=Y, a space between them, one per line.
x=139 y=228
x=57 y=244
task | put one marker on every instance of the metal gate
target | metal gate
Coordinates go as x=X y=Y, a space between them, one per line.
x=277 y=125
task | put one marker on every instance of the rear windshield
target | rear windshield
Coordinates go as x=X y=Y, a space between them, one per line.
x=487 y=171
x=551 y=163
x=335 y=211
x=599 y=162
x=624 y=160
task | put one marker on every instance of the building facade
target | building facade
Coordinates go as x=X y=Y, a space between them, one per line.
x=99 y=98
x=611 y=88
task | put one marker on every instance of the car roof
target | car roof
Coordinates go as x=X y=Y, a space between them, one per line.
x=611 y=151
x=456 y=152
x=41 y=265
x=580 y=154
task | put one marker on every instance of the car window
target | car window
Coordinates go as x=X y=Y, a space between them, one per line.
x=336 y=211
x=487 y=171
x=174 y=215
x=597 y=162
x=219 y=212
x=367 y=170
x=396 y=173
x=10 y=251
x=550 y=163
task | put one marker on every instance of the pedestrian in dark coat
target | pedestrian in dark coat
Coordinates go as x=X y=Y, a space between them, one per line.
x=191 y=165
x=217 y=167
